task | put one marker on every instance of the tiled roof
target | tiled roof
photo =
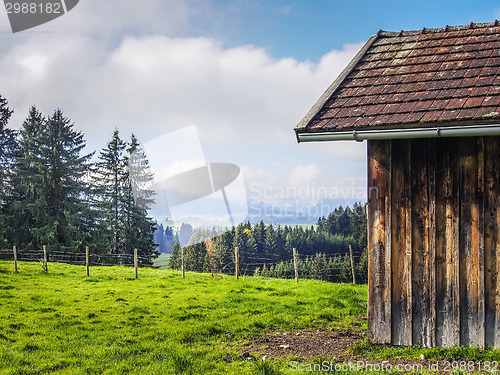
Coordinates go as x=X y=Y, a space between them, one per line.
x=415 y=79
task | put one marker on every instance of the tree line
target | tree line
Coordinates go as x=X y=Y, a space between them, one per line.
x=267 y=250
x=54 y=194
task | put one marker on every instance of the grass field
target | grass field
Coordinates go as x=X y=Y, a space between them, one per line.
x=162 y=261
x=110 y=323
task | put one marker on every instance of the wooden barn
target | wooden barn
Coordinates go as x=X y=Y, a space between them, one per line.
x=428 y=103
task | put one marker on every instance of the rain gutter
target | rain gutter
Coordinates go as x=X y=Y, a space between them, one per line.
x=435 y=132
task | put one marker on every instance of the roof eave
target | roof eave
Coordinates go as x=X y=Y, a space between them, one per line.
x=399 y=133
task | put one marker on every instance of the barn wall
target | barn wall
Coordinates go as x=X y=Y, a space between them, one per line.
x=434 y=241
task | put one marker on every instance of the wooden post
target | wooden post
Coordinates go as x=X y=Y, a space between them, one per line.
x=87 y=259
x=45 y=259
x=237 y=263
x=182 y=263
x=352 y=266
x=15 y=258
x=135 y=262
x=295 y=265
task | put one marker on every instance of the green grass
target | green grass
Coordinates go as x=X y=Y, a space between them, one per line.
x=162 y=261
x=109 y=323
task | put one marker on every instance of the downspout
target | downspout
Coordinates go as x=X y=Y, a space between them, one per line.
x=435 y=132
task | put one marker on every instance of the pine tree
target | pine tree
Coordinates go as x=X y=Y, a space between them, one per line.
x=259 y=233
x=51 y=189
x=109 y=180
x=159 y=238
x=26 y=208
x=224 y=253
x=170 y=239
x=175 y=259
x=270 y=241
x=121 y=201
x=138 y=228
x=8 y=151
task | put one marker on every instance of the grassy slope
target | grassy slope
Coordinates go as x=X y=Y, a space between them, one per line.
x=162 y=261
x=63 y=322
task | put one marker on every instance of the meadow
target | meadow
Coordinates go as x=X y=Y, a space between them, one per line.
x=63 y=322
x=110 y=323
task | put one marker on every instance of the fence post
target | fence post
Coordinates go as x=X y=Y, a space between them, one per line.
x=295 y=265
x=352 y=265
x=87 y=260
x=182 y=263
x=237 y=262
x=135 y=262
x=15 y=258
x=45 y=267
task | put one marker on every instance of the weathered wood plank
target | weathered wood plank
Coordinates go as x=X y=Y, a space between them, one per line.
x=455 y=319
x=419 y=221
x=443 y=230
x=398 y=244
x=444 y=240
x=480 y=334
x=492 y=240
x=408 y=339
x=379 y=327
x=469 y=255
x=388 y=241
x=431 y=259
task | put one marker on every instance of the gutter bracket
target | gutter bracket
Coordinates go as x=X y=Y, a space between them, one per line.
x=438 y=132
x=355 y=136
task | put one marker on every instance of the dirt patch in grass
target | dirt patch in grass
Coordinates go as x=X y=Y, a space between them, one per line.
x=305 y=344
x=311 y=345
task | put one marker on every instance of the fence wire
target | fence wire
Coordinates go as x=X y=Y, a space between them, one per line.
x=37 y=255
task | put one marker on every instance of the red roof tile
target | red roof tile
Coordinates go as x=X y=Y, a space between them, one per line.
x=419 y=78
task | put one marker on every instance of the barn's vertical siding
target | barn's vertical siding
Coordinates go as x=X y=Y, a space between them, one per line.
x=447 y=232
x=434 y=260
x=492 y=240
x=379 y=301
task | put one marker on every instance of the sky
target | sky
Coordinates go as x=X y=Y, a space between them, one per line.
x=242 y=72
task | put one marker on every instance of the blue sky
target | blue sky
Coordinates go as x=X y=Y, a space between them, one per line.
x=243 y=72
x=309 y=29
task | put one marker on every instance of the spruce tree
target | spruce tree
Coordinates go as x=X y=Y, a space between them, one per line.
x=8 y=151
x=50 y=186
x=159 y=238
x=121 y=202
x=27 y=208
x=138 y=228
x=109 y=180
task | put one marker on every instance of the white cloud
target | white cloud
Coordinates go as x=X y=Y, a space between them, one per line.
x=35 y=63
x=154 y=84
x=302 y=174
x=243 y=101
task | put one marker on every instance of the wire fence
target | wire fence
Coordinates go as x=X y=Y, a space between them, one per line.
x=85 y=258
x=335 y=267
